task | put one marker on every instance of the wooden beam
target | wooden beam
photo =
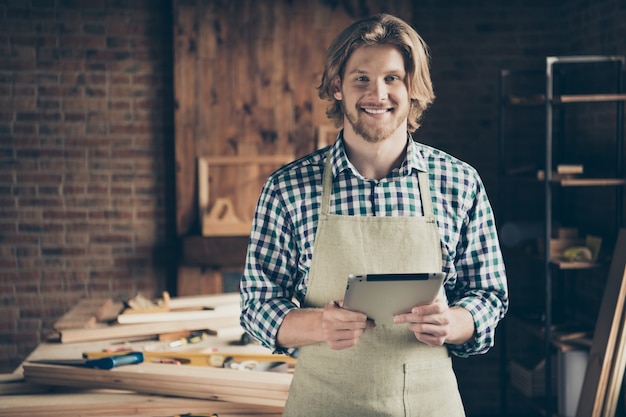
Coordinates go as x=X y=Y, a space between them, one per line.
x=205 y=301
x=605 y=336
x=185 y=89
x=226 y=311
x=121 y=331
x=122 y=403
x=616 y=377
x=205 y=382
x=89 y=312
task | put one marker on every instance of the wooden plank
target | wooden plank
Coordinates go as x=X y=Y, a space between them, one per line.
x=232 y=311
x=590 y=182
x=216 y=391
x=229 y=213
x=605 y=335
x=262 y=388
x=157 y=373
x=205 y=301
x=185 y=87
x=121 y=331
x=88 y=312
x=616 y=376
x=100 y=403
x=586 y=98
x=230 y=332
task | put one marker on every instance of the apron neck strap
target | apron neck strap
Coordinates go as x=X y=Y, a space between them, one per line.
x=427 y=202
x=327 y=184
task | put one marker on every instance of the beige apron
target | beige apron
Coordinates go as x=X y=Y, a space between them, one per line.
x=389 y=373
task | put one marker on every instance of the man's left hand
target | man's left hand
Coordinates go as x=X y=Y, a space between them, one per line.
x=435 y=324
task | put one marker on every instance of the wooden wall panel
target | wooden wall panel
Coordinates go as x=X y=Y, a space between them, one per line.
x=246 y=74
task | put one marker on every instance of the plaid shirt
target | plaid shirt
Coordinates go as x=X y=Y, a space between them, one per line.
x=283 y=232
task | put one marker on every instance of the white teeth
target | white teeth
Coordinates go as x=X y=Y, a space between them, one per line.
x=373 y=111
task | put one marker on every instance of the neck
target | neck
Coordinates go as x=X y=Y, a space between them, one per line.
x=375 y=160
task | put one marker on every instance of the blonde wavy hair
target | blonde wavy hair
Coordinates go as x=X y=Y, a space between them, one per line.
x=381 y=29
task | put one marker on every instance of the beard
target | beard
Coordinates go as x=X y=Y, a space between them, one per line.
x=375 y=133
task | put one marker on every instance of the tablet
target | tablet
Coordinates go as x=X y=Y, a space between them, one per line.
x=381 y=296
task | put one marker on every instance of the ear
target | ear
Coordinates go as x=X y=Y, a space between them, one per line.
x=414 y=95
x=337 y=89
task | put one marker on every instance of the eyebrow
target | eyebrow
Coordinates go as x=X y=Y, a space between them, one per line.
x=389 y=72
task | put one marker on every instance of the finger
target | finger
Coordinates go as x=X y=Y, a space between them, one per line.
x=429 y=329
x=339 y=313
x=344 y=339
x=430 y=309
x=429 y=339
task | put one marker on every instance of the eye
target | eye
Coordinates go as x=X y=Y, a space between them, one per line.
x=391 y=78
x=362 y=78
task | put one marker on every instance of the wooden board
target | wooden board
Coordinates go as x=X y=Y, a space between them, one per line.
x=121 y=331
x=245 y=78
x=616 y=376
x=205 y=301
x=605 y=336
x=89 y=312
x=226 y=311
x=98 y=403
x=220 y=215
x=204 y=382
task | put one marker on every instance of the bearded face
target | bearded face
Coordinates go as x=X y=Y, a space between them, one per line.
x=374 y=94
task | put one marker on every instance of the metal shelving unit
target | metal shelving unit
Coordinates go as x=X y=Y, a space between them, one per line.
x=553 y=100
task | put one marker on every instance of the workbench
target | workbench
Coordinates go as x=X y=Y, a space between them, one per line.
x=18 y=397
x=162 y=389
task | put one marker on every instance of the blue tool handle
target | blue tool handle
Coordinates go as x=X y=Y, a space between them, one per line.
x=110 y=362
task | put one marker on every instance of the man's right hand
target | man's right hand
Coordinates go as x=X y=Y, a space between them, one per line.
x=343 y=328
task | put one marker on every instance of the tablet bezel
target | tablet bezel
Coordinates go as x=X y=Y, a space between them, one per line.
x=381 y=296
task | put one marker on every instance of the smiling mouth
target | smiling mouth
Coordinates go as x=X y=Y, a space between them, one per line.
x=376 y=111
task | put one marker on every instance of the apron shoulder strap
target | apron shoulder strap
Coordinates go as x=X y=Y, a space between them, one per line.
x=427 y=202
x=327 y=184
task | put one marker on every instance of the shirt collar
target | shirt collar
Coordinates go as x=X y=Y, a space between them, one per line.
x=414 y=161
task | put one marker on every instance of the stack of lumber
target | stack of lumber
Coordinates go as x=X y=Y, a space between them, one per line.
x=120 y=403
x=216 y=314
x=202 y=382
x=97 y=326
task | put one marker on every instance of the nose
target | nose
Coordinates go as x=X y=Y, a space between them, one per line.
x=379 y=90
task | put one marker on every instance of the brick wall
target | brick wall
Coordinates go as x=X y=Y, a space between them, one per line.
x=86 y=180
x=86 y=139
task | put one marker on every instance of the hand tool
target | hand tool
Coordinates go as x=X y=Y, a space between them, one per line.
x=107 y=362
x=196 y=415
x=215 y=359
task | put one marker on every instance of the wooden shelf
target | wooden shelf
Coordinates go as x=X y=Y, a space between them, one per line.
x=571 y=182
x=564 y=338
x=589 y=98
x=590 y=182
x=540 y=99
x=568 y=265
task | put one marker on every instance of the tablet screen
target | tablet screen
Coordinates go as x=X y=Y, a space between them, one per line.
x=381 y=296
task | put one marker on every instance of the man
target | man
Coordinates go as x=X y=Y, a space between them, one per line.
x=375 y=201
